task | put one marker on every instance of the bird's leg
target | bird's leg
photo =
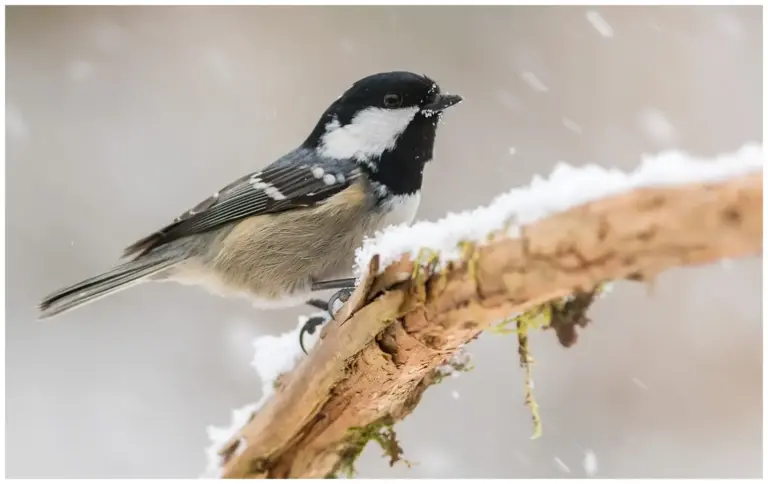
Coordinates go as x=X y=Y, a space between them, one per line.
x=345 y=286
x=334 y=284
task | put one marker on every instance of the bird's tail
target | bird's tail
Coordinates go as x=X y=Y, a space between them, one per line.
x=117 y=279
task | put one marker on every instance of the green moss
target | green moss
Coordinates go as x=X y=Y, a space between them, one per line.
x=382 y=432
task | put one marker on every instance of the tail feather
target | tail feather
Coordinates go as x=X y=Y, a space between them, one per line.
x=89 y=290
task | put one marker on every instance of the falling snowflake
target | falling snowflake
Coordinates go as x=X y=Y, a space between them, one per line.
x=15 y=126
x=533 y=82
x=561 y=465
x=598 y=22
x=590 y=462
x=571 y=125
x=657 y=126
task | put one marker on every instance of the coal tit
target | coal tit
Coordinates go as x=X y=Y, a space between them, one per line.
x=278 y=234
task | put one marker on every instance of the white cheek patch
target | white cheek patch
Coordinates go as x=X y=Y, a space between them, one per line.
x=371 y=132
x=401 y=209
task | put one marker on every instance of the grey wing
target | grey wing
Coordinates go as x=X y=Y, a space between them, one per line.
x=284 y=185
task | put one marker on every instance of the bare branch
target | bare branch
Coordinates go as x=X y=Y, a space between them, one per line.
x=375 y=361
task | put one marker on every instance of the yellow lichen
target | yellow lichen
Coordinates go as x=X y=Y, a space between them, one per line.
x=425 y=258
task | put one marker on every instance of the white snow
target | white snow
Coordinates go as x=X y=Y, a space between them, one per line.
x=274 y=356
x=599 y=23
x=455 y=394
x=565 y=188
x=221 y=435
x=590 y=462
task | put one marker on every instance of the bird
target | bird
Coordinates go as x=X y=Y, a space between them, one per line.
x=281 y=233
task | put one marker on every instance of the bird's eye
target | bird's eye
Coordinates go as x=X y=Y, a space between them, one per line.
x=392 y=100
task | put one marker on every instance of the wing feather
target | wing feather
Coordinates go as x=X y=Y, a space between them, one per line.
x=284 y=185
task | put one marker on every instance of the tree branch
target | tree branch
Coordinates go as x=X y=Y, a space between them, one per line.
x=377 y=358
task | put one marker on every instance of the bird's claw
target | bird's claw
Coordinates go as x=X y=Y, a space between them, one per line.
x=310 y=326
x=331 y=308
x=340 y=298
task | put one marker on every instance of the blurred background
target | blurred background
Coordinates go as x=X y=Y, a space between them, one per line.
x=120 y=118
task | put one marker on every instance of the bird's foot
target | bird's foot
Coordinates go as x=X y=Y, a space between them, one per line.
x=328 y=311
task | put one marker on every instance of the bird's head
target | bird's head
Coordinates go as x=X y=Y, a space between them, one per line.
x=386 y=118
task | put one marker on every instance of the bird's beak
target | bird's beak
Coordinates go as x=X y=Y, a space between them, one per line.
x=443 y=101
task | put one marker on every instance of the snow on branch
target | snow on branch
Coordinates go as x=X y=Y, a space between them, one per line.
x=426 y=290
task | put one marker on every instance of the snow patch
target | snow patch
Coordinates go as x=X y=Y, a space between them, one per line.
x=565 y=188
x=274 y=355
